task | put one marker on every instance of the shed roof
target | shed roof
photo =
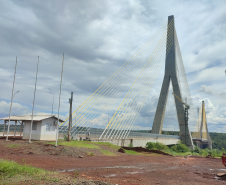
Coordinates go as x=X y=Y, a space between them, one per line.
x=28 y=118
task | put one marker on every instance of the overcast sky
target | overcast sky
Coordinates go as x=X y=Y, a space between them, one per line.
x=97 y=37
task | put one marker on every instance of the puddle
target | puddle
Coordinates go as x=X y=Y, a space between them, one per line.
x=121 y=167
x=217 y=178
x=211 y=169
x=110 y=167
x=62 y=171
x=222 y=169
x=70 y=170
x=112 y=175
x=133 y=172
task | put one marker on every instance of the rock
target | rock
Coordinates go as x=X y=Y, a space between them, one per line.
x=80 y=156
x=221 y=174
x=197 y=173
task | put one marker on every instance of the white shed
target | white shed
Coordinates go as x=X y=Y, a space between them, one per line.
x=43 y=128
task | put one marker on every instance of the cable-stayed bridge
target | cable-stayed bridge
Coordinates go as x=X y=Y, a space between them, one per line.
x=125 y=93
x=201 y=135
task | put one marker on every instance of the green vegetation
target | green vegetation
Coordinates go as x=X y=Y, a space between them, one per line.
x=131 y=152
x=90 y=153
x=83 y=144
x=156 y=146
x=107 y=144
x=13 y=146
x=11 y=168
x=14 y=172
x=218 y=140
x=66 y=138
x=108 y=153
x=182 y=150
x=90 y=145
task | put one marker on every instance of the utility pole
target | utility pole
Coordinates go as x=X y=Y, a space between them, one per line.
x=198 y=118
x=11 y=101
x=70 y=116
x=32 y=116
x=59 y=101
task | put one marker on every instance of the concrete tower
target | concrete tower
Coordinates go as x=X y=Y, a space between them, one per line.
x=171 y=76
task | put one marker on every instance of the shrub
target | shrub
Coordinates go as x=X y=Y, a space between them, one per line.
x=65 y=137
x=223 y=151
x=196 y=149
x=204 y=152
x=180 y=148
x=149 y=145
x=216 y=153
x=157 y=146
x=131 y=145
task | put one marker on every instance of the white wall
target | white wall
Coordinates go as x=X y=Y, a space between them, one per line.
x=48 y=135
x=41 y=133
x=35 y=134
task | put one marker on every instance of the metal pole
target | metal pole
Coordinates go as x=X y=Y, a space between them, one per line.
x=11 y=101
x=70 y=116
x=21 y=128
x=52 y=104
x=15 y=129
x=59 y=101
x=4 y=127
x=53 y=100
x=33 y=102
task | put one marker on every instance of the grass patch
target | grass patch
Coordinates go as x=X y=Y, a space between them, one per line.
x=90 y=145
x=107 y=144
x=78 y=144
x=11 y=168
x=13 y=172
x=90 y=153
x=108 y=153
x=131 y=152
x=13 y=146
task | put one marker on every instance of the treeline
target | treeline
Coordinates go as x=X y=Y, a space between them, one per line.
x=218 y=140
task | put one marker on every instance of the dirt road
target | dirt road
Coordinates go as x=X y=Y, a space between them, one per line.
x=128 y=169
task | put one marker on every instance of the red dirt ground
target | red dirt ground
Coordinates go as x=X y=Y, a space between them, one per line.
x=126 y=169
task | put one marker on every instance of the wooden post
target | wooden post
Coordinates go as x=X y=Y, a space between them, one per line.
x=15 y=129
x=21 y=127
x=4 y=127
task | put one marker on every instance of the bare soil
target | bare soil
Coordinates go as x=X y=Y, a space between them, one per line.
x=121 y=169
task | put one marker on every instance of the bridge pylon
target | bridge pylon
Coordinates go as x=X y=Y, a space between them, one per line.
x=202 y=136
x=171 y=76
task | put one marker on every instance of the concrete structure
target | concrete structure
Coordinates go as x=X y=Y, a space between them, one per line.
x=171 y=76
x=202 y=136
x=141 y=142
x=43 y=128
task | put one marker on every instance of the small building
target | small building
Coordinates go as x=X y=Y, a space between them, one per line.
x=43 y=127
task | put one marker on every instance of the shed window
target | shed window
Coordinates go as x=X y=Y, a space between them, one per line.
x=34 y=126
x=48 y=126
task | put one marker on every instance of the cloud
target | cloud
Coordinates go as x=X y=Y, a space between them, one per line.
x=97 y=38
x=210 y=90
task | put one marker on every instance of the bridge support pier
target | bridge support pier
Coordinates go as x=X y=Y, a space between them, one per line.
x=171 y=76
